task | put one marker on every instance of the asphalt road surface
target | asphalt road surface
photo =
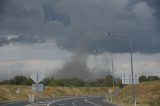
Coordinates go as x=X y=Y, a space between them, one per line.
x=70 y=101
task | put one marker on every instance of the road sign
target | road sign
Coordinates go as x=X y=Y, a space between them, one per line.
x=37 y=87
x=116 y=91
x=18 y=91
x=127 y=79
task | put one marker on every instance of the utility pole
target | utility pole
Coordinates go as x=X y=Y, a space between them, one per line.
x=37 y=84
x=112 y=77
x=133 y=87
x=112 y=70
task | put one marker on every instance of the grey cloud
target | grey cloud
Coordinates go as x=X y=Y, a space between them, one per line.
x=155 y=4
x=20 y=40
x=21 y=18
x=51 y=14
x=71 y=22
x=91 y=19
x=26 y=40
x=11 y=70
x=3 y=41
x=31 y=20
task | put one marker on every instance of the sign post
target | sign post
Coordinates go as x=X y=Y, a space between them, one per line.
x=36 y=88
x=131 y=80
x=110 y=93
x=31 y=98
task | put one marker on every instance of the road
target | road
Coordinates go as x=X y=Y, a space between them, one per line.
x=70 y=101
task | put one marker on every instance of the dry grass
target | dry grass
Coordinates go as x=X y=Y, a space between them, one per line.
x=7 y=92
x=77 y=91
x=148 y=94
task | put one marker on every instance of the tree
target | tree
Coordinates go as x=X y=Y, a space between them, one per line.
x=143 y=78
x=18 y=80
x=153 y=78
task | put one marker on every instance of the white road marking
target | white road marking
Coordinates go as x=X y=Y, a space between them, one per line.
x=44 y=103
x=91 y=102
x=54 y=101
x=40 y=105
x=58 y=101
x=73 y=103
x=64 y=100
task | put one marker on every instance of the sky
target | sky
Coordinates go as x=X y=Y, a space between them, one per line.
x=66 y=38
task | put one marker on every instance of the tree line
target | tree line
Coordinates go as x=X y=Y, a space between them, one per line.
x=107 y=81
x=72 y=82
x=144 y=78
x=18 y=80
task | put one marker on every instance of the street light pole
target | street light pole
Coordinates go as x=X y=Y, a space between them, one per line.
x=37 y=84
x=112 y=77
x=112 y=70
x=131 y=58
x=132 y=73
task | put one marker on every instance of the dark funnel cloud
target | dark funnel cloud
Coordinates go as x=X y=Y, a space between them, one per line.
x=75 y=67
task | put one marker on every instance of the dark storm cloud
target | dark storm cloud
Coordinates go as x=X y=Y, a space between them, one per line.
x=155 y=4
x=18 y=18
x=52 y=14
x=94 y=19
x=70 y=22
x=27 y=19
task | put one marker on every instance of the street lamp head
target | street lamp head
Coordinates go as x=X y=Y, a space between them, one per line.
x=107 y=34
x=96 y=51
